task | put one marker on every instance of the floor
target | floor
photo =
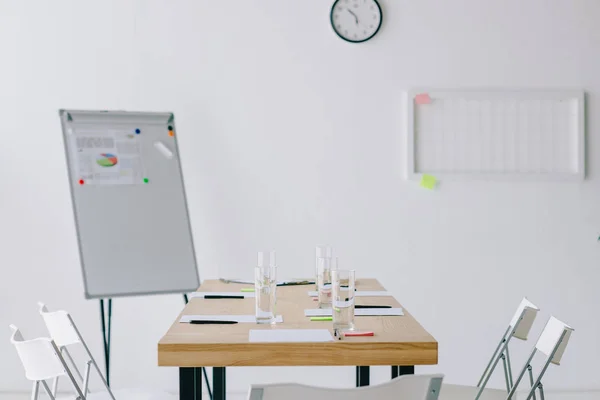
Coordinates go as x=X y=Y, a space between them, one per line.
x=242 y=396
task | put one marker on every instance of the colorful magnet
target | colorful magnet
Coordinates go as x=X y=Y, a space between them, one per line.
x=81 y=181
x=145 y=180
x=137 y=131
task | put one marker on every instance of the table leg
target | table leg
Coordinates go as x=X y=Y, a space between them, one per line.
x=362 y=376
x=402 y=370
x=190 y=383
x=219 y=384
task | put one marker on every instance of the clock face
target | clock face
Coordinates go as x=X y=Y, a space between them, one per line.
x=356 y=20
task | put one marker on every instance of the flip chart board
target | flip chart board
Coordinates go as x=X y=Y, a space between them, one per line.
x=129 y=203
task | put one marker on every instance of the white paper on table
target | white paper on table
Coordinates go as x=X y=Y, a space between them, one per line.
x=360 y=293
x=238 y=318
x=358 y=312
x=289 y=335
x=202 y=294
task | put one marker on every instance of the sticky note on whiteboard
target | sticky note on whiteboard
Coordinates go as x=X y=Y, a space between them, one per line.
x=422 y=98
x=428 y=181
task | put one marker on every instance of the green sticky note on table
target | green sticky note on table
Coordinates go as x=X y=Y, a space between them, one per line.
x=248 y=289
x=428 y=181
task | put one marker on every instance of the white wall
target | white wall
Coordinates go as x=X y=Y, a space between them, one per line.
x=291 y=137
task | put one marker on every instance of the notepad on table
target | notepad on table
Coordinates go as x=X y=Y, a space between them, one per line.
x=237 y=318
x=359 y=293
x=360 y=312
x=289 y=335
x=233 y=294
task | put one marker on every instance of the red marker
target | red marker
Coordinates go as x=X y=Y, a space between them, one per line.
x=359 y=334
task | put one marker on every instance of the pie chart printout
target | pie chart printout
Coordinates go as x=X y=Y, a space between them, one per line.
x=106 y=160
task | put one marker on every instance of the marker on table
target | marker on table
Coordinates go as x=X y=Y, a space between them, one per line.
x=358 y=333
x=248 y=289
x=208 y=296
x=205 y=322
x=321 y=318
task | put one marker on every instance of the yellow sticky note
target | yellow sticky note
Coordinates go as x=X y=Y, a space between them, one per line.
x=428 y=181
x=249 y=289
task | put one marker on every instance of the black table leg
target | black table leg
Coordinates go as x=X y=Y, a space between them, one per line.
x=219 y=385
x=362 y=376
x=402 y=370
x=190 y=383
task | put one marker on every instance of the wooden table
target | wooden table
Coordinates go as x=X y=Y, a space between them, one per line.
x=399 y=341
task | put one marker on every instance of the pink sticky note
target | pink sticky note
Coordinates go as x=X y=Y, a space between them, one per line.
x=422 y=98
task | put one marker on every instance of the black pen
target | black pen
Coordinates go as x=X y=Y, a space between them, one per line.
x=200 y=321
x=216 y=296
x=369 y=306
x=299 y=283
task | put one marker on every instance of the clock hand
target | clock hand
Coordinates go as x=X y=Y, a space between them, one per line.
x=355 y=17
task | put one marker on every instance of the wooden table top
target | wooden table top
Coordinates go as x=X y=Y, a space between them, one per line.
x=398 y=340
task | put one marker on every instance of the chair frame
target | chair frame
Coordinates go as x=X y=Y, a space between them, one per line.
x=63 y=350
x=537 y=385
x=502 y=353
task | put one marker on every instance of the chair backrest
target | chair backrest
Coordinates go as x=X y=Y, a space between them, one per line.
x=523 y=326
x=60 y=326
x=555 y=335
x=410 y=387
x=40 y=357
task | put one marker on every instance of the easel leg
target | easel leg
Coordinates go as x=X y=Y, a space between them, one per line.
x=106 y=336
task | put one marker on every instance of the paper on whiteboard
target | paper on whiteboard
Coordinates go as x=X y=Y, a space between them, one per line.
x=107 y=157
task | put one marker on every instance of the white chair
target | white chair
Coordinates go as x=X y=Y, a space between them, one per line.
x=42 y=361
x=406 y=387
x=552 y=342
x=64 y=333
x=518 y=327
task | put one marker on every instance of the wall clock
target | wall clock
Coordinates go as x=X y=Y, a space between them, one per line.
x=356 y=21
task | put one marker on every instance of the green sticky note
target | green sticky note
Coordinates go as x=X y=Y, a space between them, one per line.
x=321 y=318
x=248 y=289
x=428 y=181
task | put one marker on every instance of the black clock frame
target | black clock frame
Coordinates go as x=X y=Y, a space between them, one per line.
x=355 y=41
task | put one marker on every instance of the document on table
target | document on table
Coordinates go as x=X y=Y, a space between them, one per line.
x=360 y=293
x=237 y=318
x=289 y=335
x=362 y=312
x=237 y=294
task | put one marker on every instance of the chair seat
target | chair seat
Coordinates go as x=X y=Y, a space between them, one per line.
x=126 y=394
x=458 y=392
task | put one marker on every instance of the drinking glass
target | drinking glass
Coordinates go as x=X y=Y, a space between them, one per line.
x=321 y=252
x=342 y=299
x=265 y=290
x=324 y=281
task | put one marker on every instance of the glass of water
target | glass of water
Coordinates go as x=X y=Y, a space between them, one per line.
x=321 y=252
x=342 y=299
x=265 y=290
x=324 y=282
